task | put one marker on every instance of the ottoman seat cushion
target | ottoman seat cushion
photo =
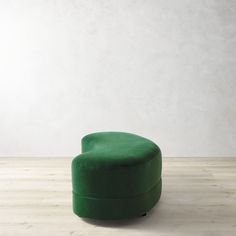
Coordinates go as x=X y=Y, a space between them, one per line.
x=117 y=176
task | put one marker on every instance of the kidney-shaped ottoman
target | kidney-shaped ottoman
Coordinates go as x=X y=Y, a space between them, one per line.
x=117 y=176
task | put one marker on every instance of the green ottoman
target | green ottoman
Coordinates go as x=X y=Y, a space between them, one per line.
x=117 y=176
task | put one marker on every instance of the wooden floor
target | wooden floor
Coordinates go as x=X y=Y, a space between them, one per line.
x=199 y=198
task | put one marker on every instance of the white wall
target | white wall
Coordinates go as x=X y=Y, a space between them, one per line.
x=162 y=69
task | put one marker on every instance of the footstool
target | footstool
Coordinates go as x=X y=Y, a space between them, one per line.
x=117 y=176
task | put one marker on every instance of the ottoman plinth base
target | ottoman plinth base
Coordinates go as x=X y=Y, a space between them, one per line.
x=116 y=208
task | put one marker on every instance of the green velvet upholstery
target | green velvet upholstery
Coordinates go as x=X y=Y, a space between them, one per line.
x=117 y=176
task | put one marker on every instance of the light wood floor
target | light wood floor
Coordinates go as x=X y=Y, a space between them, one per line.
x=199 y=198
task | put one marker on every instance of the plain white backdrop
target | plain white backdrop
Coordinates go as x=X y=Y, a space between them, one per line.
x=162 y=69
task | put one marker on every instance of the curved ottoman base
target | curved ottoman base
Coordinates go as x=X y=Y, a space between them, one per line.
x=116 y=208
